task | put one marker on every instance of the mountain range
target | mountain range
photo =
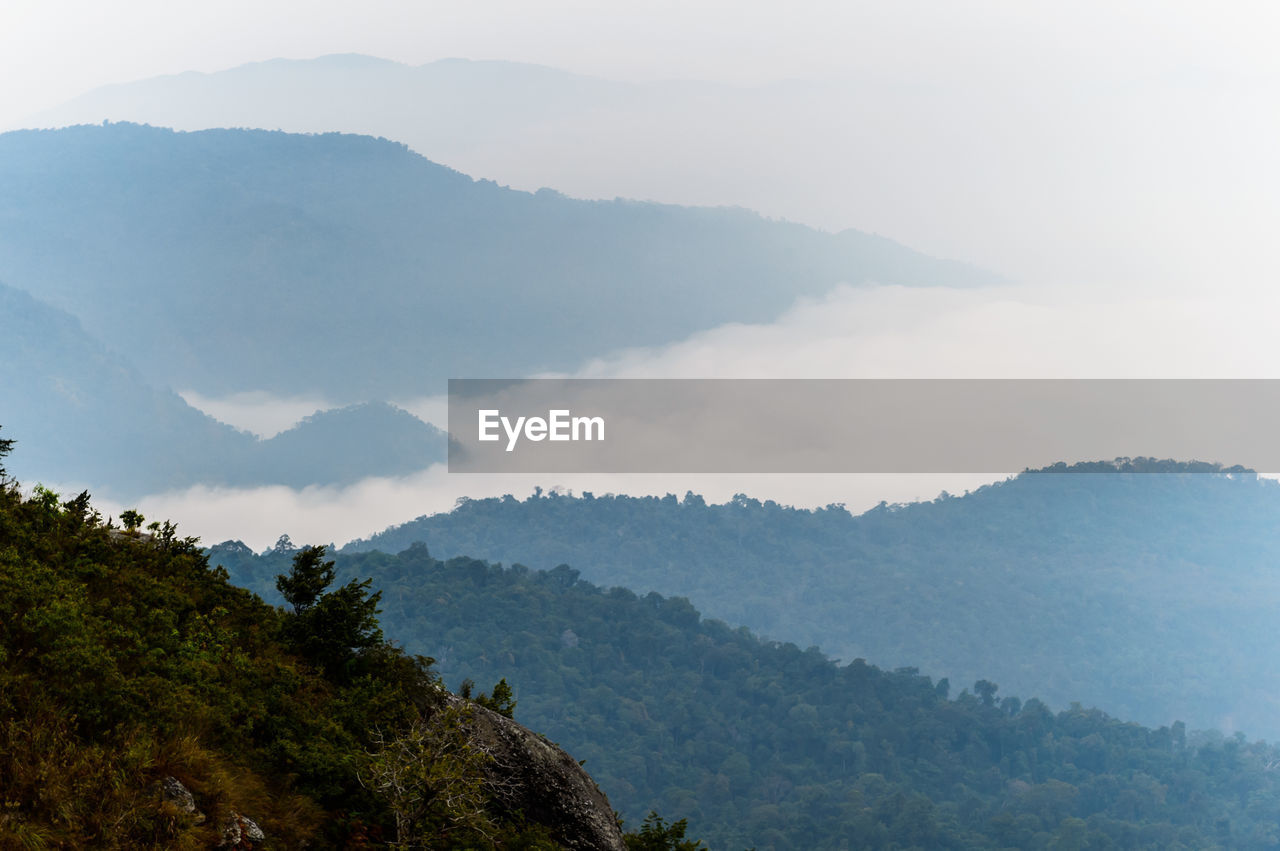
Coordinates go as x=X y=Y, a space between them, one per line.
x=762 y=744
x=828 y=153
x=351 y=267
x=1150 y=593
x=138 y=261
x=83 y=415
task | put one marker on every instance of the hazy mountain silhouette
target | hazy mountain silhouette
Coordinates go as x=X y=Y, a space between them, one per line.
x=762 y=147
x=234 y=260
x=83 y=416
x=438 y=108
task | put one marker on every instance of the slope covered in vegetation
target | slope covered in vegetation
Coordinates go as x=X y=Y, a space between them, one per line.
x=1150 y=593
x=764 y=744
x=146 y=702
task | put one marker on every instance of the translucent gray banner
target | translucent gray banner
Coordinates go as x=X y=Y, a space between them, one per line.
x=854 y=425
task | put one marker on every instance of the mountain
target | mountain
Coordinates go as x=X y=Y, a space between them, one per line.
x=1151 y=594
x=863 y=151
x=763 y=147
x=441 y=109
x=84 y=415
x=147 y=703
x=343 y=445
x=350 y=267
x=762 y=744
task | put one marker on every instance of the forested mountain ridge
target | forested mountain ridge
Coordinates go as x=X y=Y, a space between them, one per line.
x=1151 y=594
x=762 y=744
x=88 y=416
x=147 y=703
x=354 y=268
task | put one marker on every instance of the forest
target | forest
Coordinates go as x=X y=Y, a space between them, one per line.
x=145 y=702
x=1147 y=587
x=763 y=744
x=132 y=662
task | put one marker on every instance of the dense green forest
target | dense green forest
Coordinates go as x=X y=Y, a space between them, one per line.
x=1152 y=594
x=147 y=703
x=344 y=266
x=763 y=744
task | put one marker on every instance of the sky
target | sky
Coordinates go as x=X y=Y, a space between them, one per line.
x=1117 y=159
x=58 y=48
x=1126 y=142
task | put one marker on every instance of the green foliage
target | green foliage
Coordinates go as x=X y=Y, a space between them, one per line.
x=656 y=835
x=125 y=660
x=6 y=446
x=330 y=628
x=131 y=519
x=307 y=579
x=760 y=743
x=46 y=500
x=502 y=701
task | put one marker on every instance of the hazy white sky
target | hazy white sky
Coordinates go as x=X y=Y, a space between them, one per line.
x=1125 y=141
x=51 y=50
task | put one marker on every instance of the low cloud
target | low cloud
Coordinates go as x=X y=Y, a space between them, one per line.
x=887 y=332
x=258 y=412
x=258 y=516
x=1006 y=332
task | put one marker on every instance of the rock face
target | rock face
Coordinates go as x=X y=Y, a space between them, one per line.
x=546 y=784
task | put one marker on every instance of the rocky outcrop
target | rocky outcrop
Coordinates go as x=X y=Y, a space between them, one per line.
x=544 y=783
x=240 y=831
x=236 y=830
x=173 y=792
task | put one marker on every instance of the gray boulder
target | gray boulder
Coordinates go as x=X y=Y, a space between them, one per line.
x=545 y=783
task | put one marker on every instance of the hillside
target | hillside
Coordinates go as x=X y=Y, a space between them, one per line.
x=147 y=703
x=85 y=413
x=353 y=268
x=1150 y=594
x=342 y=446
x=765 y=745
x=88 y=417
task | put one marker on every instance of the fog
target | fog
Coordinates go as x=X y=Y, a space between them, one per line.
x=257 y=412
x=886 y=332
x=1010 y=332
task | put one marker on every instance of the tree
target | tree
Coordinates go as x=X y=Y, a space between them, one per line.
x=502 y=700
x=341 y=623
x=328 y=627
x=306 y=580
x=656 y=835
x=6 y=446
x=434 y=777
x=986 y=690
x=131 y=519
